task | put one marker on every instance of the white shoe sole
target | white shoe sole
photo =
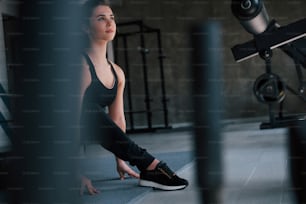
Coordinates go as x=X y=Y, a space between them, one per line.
x=152 y=184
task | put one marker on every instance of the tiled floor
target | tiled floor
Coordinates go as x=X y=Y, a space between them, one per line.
x=255 y=165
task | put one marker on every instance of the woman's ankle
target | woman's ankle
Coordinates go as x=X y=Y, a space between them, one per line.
x=153 y=165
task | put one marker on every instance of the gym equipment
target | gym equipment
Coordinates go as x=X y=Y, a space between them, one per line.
x=207 y=98
x=131 y=37
x=268 y=35
x=268 y=88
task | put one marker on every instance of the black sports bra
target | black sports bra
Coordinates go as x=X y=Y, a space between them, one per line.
x=96 y=93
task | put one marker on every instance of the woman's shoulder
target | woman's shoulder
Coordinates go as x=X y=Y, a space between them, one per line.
x=119 y=71
x=85 y=61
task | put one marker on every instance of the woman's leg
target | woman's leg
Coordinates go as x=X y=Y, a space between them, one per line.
x=117 y=142
x=152 y=172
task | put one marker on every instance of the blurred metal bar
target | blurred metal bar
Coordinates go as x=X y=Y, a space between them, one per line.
x=206 y=67
x=297 y=160
x=46 y=122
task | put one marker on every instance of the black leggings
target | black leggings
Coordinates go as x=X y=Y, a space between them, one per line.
x=102 y=130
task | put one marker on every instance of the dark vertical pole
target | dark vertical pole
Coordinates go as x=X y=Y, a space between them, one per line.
x=46 y=125
x=266 y=55
x=207 y=66
x=145 y=77
x=162 y=77
x=129 y=90
x=297 y=160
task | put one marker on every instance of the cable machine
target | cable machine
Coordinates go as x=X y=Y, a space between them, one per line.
x=268 y=35
x=136 y=32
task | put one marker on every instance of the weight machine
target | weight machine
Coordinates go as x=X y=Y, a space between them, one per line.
x=268 y=35
x=269 y=88
x=139 y=30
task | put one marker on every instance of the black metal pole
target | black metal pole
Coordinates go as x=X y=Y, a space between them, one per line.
x=46 y=115
x=297 y=160
x=162 y=77
x=206 y=63
x=145 y=77
x=128 y=82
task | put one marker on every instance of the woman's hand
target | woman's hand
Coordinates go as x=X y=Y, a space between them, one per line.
x=123 y=168
x=86 y=183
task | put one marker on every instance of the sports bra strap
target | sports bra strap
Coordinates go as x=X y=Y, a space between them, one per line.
x=91 y=66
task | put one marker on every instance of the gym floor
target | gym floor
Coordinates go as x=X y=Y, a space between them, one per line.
x=255 y=167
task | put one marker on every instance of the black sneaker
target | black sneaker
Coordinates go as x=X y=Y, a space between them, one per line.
x=162 y=178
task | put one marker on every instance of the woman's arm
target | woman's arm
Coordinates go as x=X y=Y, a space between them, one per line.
x=116 y=109
x=85 y=82
x=116 y=113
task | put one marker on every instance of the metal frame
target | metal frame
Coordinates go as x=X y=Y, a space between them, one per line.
x=290 y=39
x=140 y=29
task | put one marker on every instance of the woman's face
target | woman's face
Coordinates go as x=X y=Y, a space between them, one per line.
x=102 y=24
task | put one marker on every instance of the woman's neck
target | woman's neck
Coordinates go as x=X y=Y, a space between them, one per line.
x=98 y=52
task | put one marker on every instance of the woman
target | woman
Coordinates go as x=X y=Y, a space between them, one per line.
x=102 y=88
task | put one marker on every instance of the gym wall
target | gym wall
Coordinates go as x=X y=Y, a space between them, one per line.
x=175 y=17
